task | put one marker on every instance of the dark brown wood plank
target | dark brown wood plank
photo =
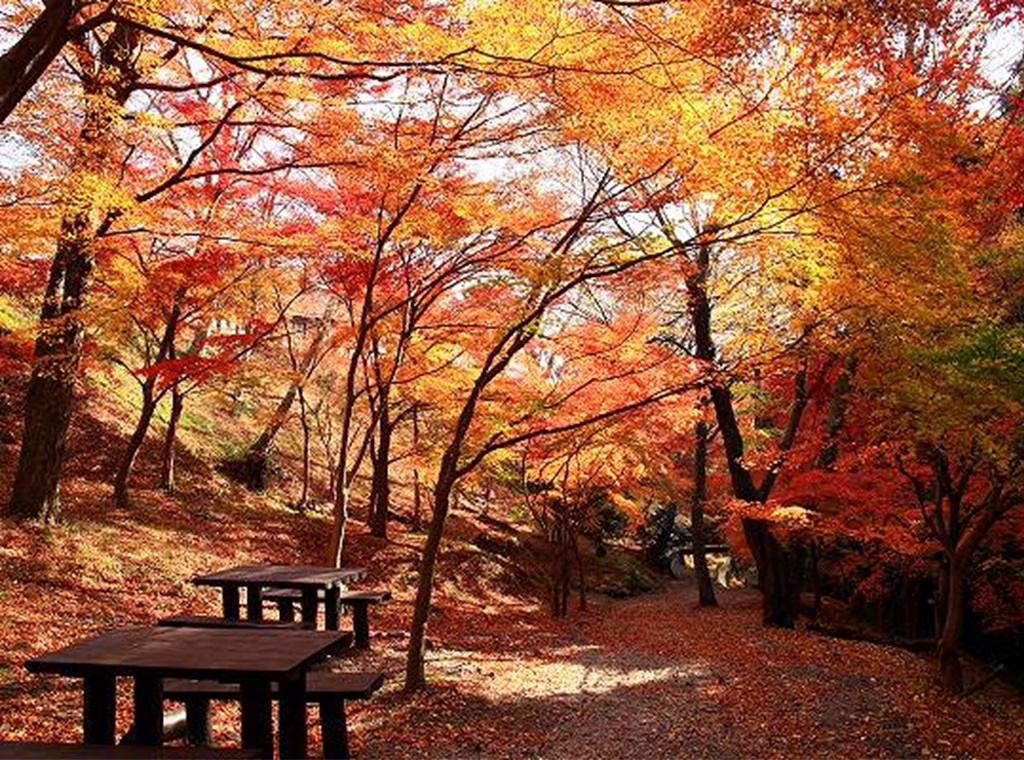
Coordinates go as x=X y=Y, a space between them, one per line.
x=373 y=597
x=33 y=750
x=318 y=684
x=212 y=621
x=227 y=653
x=283 y=576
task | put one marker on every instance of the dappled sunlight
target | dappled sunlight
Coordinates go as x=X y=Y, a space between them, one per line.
x=581 y=669
x=563 y=670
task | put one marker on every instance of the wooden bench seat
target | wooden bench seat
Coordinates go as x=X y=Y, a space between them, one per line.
x=56 y=751
x=212 y=621
x=328 y=690
x=359 y=601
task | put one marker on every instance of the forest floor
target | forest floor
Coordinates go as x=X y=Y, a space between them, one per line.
x=651 y=676
x=656 y=677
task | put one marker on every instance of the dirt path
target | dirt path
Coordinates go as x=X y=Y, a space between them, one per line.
x=655 y=677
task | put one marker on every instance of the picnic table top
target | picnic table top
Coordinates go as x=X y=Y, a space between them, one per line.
x=230 y=654
x=282 y=576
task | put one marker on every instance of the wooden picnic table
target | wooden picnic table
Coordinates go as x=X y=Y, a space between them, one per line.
x=250 y=657
x=311 y=580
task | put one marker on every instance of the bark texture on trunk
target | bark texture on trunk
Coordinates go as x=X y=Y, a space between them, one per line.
x=138 y=437
x=150 y=398
x=836 y=413
x=27 y=59
x=415 y=676
x=380 y=495
x=705 y=587
x=167 y=474
x=949 y=640
x=50 y=394
x=778 y=573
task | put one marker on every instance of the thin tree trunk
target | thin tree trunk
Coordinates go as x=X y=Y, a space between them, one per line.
x=304 y=421
x=26 y=60
x=415 y=677
x=150 y=399
x=381 y=496
x=255 y=459
x=124 y=471
x=582 y=575
x=50 y=393
x=417 y=498
x=952 y=629
x=167 y=479
x=836 y=413
x=706 y=588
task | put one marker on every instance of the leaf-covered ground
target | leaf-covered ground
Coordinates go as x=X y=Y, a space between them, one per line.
x=651 y=676
x=656 y=677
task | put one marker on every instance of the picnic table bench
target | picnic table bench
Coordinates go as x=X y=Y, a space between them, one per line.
x=60 y=751
x=255 y=660
x=212 y=621
x=308 y=580
x=359 y=601
x=329 y=690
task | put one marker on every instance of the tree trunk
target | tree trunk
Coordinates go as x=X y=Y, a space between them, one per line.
x=415 y=677
x=50 y=393
x=254 y=468
x=150 y=399
x=340 y=523
x=706 y=589
x=836 y=413
x=778 y=574
x=417 y=499
x=32 y=53
x=124 y=471
x=559 y=573
x=952 y=629
x=380 y=500
x=304 y=421
x=579 y=569
x=167 y=460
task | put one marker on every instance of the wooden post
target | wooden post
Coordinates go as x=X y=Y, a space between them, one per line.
x=361 y=623
x=310 y=603
x=149 y=710
x=254 y=602
x=197 y=722
x=291 y=717
x=99 y=708
x=257 y=720
x=332 y=611
x=333 y=728
x=231 y=603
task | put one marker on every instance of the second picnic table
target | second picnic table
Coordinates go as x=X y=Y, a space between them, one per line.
x=310 y=580
x=252 y=658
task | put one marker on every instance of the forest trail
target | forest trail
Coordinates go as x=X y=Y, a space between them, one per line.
x=656 y=677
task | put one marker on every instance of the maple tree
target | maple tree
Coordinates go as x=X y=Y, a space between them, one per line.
x=725 y=246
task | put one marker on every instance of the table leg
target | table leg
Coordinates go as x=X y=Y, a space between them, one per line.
x=332 y=612
x=361 y=624
x=149 y=710
x=257 y=720
x=231 y=604
x=254 y=602
x=292 y=717
x=310 y=602
x=99 y=708
x=333 y=728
